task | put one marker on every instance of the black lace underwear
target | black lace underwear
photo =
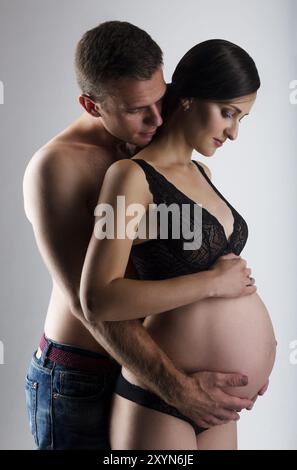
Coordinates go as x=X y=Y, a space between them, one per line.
x=160 y=258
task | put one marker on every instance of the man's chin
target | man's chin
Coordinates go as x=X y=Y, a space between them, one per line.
x=133 y=149
x=142 y=142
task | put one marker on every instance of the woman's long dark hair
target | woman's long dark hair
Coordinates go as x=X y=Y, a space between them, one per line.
x=214 y=70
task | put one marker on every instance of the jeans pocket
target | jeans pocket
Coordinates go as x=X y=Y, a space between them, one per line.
x=31 y=388
x=79 y=385
x=80 y=411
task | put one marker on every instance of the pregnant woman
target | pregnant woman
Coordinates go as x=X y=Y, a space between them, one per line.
x=213 y=87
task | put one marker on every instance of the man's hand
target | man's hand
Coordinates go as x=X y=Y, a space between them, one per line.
x=261 y=392
x=231 y=277
x=204 y=401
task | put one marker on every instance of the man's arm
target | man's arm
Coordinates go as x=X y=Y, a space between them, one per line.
x=58 y=213
x=199 y=396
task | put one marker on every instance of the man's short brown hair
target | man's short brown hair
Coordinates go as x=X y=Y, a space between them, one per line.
x=114 y=50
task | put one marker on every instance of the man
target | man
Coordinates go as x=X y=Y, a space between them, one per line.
x=70 y=379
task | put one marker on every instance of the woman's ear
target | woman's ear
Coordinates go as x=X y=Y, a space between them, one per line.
x=186 y=103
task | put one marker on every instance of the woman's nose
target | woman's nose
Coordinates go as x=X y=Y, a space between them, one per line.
x=232 y=131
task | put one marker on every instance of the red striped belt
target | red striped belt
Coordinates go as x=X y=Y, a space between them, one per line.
x=76 y=360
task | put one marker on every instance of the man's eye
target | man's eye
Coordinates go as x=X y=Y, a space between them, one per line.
x=133 y=111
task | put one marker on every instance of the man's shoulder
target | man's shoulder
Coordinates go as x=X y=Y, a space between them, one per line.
x=69 y=161
x=49 y=166
x=63 y=173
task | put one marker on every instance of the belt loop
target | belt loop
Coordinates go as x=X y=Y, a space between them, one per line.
x=46 y=350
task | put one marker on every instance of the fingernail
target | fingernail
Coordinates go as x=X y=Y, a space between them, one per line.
x=244 y=380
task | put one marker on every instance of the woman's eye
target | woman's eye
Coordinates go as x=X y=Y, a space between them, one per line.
x=227 y=114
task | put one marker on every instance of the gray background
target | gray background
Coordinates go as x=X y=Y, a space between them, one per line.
x=257 y=172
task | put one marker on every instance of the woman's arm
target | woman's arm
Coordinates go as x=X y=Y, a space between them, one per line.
x=104 y=292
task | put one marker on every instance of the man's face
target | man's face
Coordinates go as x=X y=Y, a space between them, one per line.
x=132 y=110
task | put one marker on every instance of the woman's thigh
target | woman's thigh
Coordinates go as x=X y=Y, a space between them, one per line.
x=135 y=427
x=223 y=437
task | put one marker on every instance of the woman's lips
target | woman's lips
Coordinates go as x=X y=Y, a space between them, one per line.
x=218 y=142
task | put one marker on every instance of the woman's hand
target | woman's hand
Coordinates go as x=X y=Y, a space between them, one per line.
x=232 y=278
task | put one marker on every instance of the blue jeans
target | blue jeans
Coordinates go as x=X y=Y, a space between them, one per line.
x=67 y=408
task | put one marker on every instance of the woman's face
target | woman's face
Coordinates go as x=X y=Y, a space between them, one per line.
x=208 y=124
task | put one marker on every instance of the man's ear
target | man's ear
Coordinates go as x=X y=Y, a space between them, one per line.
x=89 y=105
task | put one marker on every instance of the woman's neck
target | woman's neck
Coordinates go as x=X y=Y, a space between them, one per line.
x=170 y=146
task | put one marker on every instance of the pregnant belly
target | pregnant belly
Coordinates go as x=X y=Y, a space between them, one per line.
x=224 y=335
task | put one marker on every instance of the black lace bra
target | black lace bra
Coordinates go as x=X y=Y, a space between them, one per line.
x=160 y=258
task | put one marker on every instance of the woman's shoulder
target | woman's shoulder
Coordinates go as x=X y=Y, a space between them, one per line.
x=126 y=177
x=125 y=168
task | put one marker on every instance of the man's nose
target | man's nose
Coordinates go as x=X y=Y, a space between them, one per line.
x=232 y=131
x=154 y=116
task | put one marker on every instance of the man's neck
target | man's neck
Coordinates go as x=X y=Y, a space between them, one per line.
x=128 y=150
x=92 y=131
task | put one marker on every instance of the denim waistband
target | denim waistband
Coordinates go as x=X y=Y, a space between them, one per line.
x=73 y=357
